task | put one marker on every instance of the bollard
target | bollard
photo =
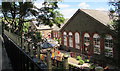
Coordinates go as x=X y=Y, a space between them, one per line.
x=49 y=62
x=66 y=65
x=99 y=68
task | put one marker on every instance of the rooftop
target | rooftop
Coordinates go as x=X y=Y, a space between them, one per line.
x=101 y=16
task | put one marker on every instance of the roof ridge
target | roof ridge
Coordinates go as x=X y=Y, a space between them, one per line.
x=98 y=15
x=92 y=9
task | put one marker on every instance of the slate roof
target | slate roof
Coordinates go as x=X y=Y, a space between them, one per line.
x=101 y=16
x=46 y=27
x=40 y=27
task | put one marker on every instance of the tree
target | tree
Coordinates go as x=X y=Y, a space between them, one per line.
x=50 y=15
x=15 y=14
x=115 y=16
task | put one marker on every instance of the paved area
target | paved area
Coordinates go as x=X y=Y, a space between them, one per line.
x=4 y=60
x=6 y=65
x=0 y=47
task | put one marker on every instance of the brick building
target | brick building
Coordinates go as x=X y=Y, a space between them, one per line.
x=89 y=32
x=45 y=30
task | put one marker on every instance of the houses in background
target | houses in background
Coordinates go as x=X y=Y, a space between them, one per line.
x=45 y=30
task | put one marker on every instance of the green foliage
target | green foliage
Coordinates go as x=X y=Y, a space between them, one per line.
x=116 y=19
x=26 y=27
x=50 y=15
x=79 y=58
x=15 y=14
x=92 y=66
x=81 y=62
x=38 y=35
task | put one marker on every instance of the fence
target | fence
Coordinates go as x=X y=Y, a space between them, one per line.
x=19 y=59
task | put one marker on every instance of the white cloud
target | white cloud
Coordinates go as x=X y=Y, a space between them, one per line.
x=85 y=0
x=102 y=9
x=39 y=5
x=84 y=5
x=68 y=12
x=63 y=5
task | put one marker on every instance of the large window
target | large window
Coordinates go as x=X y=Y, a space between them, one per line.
x=86 y=41
x=70 y=39
x=108 y=46
x=55 y=35
x=96 y=43
x=77 y=40
x=65 y=38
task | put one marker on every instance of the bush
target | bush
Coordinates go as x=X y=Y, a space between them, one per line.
x=81 y=62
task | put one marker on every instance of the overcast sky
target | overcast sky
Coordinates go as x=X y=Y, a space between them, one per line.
x=69 y=7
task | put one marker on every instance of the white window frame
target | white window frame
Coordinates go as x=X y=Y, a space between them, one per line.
x=86 y=41
x=109 y=48
x=96 y=43
x=70 y=36
x=77 y=40
x=65 y=38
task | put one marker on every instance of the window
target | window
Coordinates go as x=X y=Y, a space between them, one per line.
x=108 y=46
x=86 y=41
x=65 y=38
x=70 y=39
x=96 y=43
x=54 y=34
x=77 y=40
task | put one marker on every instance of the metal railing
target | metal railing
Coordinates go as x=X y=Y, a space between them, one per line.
x=20 y=60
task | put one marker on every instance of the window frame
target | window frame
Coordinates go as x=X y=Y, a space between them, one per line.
x=77 y=40
x=65 y=38
x=109 y=48
x=70 y=36
x=96 y=43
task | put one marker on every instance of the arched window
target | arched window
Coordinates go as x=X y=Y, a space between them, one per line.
x=54 y=34
x=65 y=38
x=108 y=46
x=86 y=41
x=77 y=40
x=96 y=43
x=70 y=39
